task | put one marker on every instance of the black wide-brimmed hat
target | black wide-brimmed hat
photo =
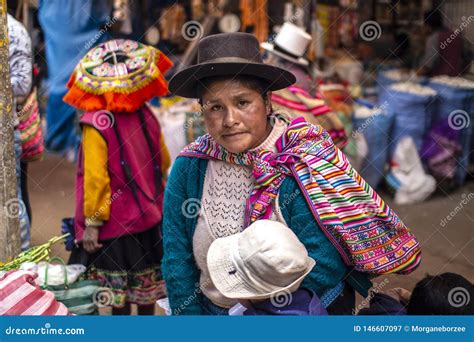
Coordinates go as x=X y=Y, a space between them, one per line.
x=228 y=54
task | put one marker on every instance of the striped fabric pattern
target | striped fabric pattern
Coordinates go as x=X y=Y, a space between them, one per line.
x=298 y=102
x=311 y=105
x=367 y=233
x=79 y=296
x=19 y=295
x=31 y=134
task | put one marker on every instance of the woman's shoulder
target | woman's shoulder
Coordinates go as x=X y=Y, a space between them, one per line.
x=186 y=162
x=187 y=167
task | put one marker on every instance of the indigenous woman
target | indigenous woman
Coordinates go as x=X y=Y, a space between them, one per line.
x=119 y=185
x=256 y=164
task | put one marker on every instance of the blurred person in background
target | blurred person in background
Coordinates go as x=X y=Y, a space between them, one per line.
x=442 y=294
x=20 y=55
x=287 y=52
x=70 y=28
x=445 y=52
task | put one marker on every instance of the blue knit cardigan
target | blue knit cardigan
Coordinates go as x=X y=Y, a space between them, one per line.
x=179 y=268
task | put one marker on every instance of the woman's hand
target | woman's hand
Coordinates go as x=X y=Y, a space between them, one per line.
x=90 y=240
x=399 y=294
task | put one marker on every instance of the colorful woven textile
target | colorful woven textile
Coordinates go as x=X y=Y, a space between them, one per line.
x=31 y=134
x=118 y=75
x=367 y=233
x=298 y=102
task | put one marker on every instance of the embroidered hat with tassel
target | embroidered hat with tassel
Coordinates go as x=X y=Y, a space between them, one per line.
x=119 y=76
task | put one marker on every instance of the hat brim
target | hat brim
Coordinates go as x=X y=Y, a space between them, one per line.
x=185 y=83
x=271 y=48
x=230 y=283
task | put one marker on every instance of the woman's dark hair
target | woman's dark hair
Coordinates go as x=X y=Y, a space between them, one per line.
x=251 y=82
x=434 y=19
x=444 y=294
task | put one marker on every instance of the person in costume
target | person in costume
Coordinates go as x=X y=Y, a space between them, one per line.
x=255 y=163
x=299 y=99
x=121 y=163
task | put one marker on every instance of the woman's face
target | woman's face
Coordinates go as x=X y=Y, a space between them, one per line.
x=235 y=115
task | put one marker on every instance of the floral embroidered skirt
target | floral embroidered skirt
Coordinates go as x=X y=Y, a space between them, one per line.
x=129 y=265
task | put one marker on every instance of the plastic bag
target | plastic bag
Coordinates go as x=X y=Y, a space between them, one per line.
x=412 y=116
x=407 y=175
x=56 y=273
x=375 y=125
x=165 y=305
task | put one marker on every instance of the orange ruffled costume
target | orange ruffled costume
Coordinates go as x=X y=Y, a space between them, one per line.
x=118 y=76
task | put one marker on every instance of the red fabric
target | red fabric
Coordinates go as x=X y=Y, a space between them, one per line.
x=19 y=295
x=125 y=215
x=115 y=102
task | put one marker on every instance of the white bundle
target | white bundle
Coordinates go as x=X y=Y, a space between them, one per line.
x=362 y=112
x=397 y=75
x=56 y=273
x=456 y=82
x=29 y=266
x=413 y=88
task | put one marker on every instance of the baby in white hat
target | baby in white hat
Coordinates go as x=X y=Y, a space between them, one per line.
x=263 y=267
